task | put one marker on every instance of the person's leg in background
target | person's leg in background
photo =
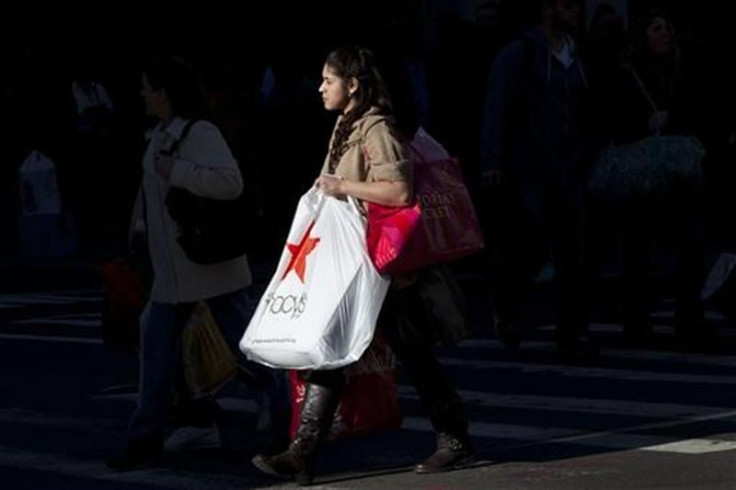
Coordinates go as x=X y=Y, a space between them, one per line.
x=690 y=324
x=161 y=332
x=402 y=321
x=194 y=419
x=518 y=254
x=232 y=312
x=565 y=226
x=600 y=224
x=637 y=222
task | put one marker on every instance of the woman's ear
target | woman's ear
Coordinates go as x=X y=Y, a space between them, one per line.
x=353 y=86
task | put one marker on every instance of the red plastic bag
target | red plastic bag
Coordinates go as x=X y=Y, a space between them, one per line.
x=370 y=400
x=124 y=299
x=441 y=226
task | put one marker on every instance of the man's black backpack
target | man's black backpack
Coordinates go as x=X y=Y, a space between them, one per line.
x=209 y=230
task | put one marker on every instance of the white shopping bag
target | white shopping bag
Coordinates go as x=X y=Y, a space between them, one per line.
x=320 y=309
x=39 y=189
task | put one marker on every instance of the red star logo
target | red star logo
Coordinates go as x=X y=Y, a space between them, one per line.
x=299 y=252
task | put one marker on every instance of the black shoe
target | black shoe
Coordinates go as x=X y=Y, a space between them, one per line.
x=137 y=455
x=452 y=453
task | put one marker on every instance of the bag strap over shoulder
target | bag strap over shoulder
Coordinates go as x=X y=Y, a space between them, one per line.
x=184 y=133
x=642 y=87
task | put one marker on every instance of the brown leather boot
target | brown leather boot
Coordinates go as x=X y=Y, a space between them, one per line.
x=454 y=449
x=453 y=452
x=297 y=462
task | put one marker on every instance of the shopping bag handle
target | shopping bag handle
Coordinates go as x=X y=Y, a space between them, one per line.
x=316 y=199
x=414 y=150
x=355 y=205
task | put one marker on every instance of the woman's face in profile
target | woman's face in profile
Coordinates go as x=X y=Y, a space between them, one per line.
x=659 y=36
x=334 y=90
x=155 y=100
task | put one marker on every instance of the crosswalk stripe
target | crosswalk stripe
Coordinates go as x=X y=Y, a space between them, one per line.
x=95 y=470
x=497 y=431
x=670 y=314
x=599 y=437
x=525 y=367
x=84 y=293
x=231 y=404
x=615 y=439
x=693 y=446
x=522 y=402
x=13 y=416
x=625 y=438
x=590 y=372
x=676 y=357
x=163 y=478
x=14 y=300
x=50 y=338
x=86 y=320
x=615 y=328
x=612 y=353
x=550 y=434
x=570 y=404
x=621 y=439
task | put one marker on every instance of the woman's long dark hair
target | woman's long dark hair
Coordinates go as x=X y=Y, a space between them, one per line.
x=665 y=70
x=636 y=48
x=359 y=63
